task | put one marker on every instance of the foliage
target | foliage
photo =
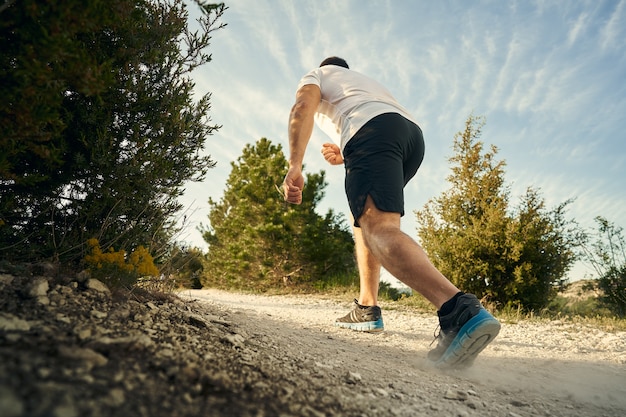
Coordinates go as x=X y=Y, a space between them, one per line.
x=343 y=283
x=387 y=292
x=257 y=241
x=117 y=268
x=98 y=128
x=414 y=301
x=184 y=267
x=607 y=255
x=509 y=255
x=588 y=307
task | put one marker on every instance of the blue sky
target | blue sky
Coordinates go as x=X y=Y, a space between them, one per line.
x=548 y=76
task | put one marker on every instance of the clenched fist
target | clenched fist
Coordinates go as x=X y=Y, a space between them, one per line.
x=332 y=154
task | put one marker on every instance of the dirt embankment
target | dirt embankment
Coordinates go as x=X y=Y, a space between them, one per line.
x=70 y=348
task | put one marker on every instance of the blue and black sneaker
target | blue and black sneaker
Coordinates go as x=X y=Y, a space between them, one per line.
x=463 y=334
x=362 y=319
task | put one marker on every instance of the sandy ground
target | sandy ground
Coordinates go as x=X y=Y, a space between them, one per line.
x=551 y=368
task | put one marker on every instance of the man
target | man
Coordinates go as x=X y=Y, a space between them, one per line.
x=381 y=147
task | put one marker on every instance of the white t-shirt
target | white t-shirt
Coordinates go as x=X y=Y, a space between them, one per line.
x=349 y=101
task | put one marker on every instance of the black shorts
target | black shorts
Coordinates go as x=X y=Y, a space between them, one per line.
x=380 y=159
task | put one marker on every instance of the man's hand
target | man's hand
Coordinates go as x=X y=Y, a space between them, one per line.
x=293 y=185
x=332 y=154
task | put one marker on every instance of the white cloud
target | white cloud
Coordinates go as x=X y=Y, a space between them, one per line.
x=612 y=34
x=577 y=28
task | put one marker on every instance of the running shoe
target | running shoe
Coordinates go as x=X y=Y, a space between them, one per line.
x=362 y=319
x=463 y=334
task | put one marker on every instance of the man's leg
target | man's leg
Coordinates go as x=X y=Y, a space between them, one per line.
x=402 y=256
x=466 y=328
x=366 y=315
x=369 y=270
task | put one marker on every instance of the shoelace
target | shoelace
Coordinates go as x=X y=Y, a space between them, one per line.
x=436 y=334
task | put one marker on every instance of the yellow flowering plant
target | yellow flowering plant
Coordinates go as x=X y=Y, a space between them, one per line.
x=117 y=268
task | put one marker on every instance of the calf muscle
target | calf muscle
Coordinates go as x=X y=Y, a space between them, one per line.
x=402 y=256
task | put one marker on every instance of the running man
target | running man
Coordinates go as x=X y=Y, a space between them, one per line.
x=381 y=147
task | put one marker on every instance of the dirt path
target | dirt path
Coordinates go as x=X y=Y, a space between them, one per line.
x=551 y=369
x=70 y=347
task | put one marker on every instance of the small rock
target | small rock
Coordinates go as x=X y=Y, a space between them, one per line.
x=98 y=314
x=234 y=339
x=261 y=385
x=89 y=356
x=220 y=379
x=517 y=403
x=63 y=318
x=133 y=341
x=287 y=391
x=43 y=300
x=38 y=288
x=398 y=396
x=96 y=285
x=121 y=313
x=217 y=320
x=198 y=321
x=6 y=279
x=84 y=333
x=66 y=290
x=323 y=365
x=453 y=394
x=9 y=322
x=310 y=411
x=117 y=397
x=166 y=353
x=353 y=377
x=82 y=276
x=471 y=404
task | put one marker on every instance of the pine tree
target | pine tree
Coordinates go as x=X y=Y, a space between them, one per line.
x=512 y=256
x=257 y=240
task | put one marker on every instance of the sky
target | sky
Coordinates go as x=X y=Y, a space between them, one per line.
x=549 y=77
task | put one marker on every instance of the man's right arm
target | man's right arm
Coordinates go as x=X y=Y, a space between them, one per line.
x=301 y=120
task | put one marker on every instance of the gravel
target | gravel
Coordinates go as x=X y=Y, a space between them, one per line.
x=70 y=347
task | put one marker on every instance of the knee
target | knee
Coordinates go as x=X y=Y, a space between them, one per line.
x=374 y=221
x=378 y=229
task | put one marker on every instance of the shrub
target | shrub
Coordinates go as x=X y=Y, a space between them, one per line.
x=116 y=268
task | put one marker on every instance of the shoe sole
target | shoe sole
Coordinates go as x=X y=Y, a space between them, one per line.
x=473 y=337
x=366 y=326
